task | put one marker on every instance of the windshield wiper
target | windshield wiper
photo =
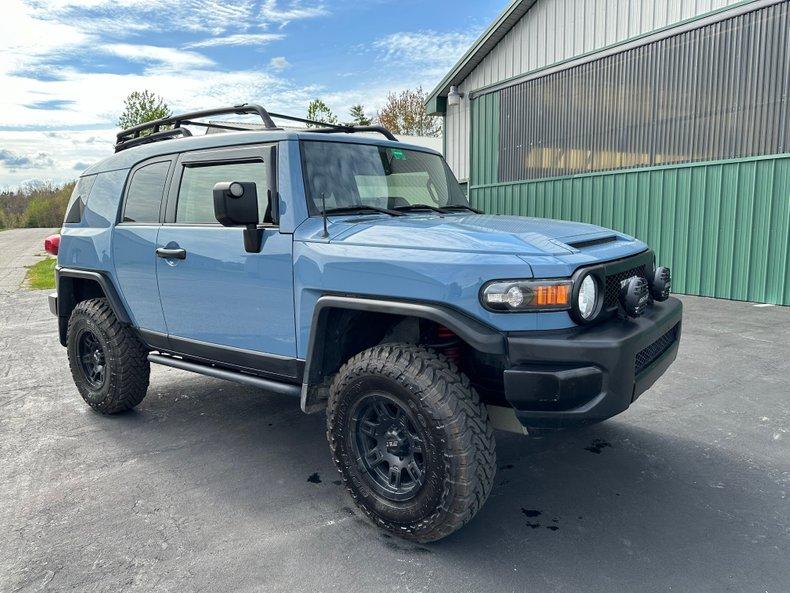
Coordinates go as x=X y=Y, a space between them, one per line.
x=362 y=208
x=410 y=207
x=457 y=207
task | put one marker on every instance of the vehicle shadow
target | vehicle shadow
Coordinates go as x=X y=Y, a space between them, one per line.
x=606 y=507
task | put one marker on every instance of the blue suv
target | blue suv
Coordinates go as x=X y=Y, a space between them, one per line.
x=349 y=270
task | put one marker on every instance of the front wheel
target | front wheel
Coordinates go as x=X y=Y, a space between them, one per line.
x=411 y=440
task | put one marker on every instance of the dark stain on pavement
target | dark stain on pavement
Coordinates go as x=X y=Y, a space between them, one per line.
x=597 y=446
x=314 y=479
x=532 y=513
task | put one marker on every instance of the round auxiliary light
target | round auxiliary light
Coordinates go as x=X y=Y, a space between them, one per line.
x=588 y=298
x=236 y=189
x=634 y=296
x=661 y=284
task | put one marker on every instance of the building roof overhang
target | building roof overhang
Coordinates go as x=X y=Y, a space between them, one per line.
x=507 y=19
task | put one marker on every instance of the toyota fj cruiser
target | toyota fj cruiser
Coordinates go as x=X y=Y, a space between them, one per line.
x=351 y=272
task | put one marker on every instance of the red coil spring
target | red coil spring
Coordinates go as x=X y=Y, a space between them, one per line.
x=451 y=345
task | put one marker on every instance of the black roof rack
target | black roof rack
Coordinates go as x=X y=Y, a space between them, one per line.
x=132 y=136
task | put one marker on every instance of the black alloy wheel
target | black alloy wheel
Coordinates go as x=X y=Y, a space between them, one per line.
x=93 y=360
x=388 y=446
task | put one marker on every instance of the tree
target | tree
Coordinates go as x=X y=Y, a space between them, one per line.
x=358 y=117
x=47 y=206
x=320 y=112
x=405 y=114
x=141 y=107
x=36 y=204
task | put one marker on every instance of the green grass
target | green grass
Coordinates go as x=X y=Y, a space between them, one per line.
x=42 y=274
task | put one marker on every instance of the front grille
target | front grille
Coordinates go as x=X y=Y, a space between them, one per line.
x=649 y=355
x=612 y=296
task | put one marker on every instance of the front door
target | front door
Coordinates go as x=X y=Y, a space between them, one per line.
x=221 y=303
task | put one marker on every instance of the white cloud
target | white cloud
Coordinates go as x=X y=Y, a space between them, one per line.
x=58 y=163
x=133 y=15
x=279 y=63
x=25 y=39
x=436 y=51
x=271 y=11
x=14 y=161
x=167 y=57
x=238 y=39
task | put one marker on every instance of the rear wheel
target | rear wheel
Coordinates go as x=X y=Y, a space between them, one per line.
x=108 y=363
x=411 y=440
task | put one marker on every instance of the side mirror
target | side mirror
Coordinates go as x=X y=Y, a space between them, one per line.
x=236 y=204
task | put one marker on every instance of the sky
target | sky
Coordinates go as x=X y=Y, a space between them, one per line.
x=67 y=65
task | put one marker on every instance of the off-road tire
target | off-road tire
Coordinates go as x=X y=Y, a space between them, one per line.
x=127 y=367
x=451 y=416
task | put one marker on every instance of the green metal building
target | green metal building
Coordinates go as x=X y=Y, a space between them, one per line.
x=666 y=119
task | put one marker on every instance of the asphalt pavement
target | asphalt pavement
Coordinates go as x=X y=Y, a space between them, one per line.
x=211 y=486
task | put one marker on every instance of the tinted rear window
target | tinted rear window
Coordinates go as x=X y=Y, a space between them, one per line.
x=144 y=196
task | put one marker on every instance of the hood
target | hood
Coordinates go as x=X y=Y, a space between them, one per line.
x=477 y=233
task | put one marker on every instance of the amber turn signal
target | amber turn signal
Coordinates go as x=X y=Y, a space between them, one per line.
x=553 y=295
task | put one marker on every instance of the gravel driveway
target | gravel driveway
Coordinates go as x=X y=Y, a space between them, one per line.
x=210 y=486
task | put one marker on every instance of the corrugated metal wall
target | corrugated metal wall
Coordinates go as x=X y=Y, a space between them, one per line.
x=557 y=30
x=723 y=227
x=711 y=93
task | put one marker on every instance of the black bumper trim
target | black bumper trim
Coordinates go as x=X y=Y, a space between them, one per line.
x=587 y=374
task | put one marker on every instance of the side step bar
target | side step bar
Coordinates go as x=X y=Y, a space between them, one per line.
x=228 y=375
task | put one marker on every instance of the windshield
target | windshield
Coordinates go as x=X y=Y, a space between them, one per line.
x=349 y=175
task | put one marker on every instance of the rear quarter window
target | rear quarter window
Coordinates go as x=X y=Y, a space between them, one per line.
x=144 y=196
x=79 y=197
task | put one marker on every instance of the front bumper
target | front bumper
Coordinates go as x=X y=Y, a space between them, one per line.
x=588 y=374
x=53 y=303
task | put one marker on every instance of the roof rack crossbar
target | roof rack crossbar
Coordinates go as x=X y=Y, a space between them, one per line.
x=125 y=136
x=356 y=129
x=336 y=128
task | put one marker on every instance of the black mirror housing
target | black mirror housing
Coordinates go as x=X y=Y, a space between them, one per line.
x=236 y=204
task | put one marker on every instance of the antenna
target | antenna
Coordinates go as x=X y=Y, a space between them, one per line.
x=323 y=213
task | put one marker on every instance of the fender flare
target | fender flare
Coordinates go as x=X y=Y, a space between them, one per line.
x=480 y=336
x=67 y=299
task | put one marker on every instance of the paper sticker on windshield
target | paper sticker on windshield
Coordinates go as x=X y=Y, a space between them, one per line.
x=398 y=155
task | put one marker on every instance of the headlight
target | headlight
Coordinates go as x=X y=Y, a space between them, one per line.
x=527 y=295
x=588 y=298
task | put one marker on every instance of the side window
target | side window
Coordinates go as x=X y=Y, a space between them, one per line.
x=196 y=195
x=79 y=197
x=144 y=196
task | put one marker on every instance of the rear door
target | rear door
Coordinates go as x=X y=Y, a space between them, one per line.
x=221 y=303
x=134 y=242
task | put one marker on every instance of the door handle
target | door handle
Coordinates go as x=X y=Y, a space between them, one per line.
x=166 y=253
